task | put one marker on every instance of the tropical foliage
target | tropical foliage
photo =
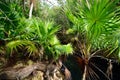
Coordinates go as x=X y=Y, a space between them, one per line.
x=97 y=22
x=34 y=35
x=96 y=26
x=88 y=27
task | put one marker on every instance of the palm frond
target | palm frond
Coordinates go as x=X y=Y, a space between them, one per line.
x=14 y=45
x=67 y=49
x=44 y=33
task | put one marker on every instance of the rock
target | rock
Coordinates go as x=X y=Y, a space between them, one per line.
x=21 y=73
x=38 y=76
x=53 y=73
x=11 y=75
x=36 y=71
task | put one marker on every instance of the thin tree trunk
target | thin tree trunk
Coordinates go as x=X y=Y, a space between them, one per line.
x=31 y=9
x=109 y=70
x=23 y=3
x=84 y=74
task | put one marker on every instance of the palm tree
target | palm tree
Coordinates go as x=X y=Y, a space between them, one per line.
x=96 y=26
x=44 y=34
x=39 y=38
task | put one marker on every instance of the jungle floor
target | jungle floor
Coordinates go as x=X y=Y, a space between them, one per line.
x=28 y=69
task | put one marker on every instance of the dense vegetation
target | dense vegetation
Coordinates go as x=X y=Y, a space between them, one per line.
x=81 y=28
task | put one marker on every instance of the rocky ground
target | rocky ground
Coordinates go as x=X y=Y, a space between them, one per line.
x=44 y=70
x=30 y=70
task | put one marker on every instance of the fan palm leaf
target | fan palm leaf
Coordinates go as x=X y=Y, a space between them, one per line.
x=98 y=25
x=97 y=20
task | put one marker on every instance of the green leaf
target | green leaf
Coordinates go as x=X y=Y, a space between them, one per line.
x=14 y=45
x=64 y=49
x=54 y=40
